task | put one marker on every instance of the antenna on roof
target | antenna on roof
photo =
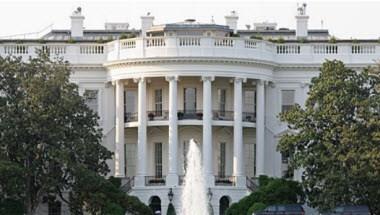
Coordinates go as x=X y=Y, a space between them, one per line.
x=321 y=23
x=212 y=20
x=148 y=14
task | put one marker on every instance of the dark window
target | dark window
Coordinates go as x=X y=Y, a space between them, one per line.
x=222 y=101
x=190 y=100
x=222 y=160
x=54 y=208
x=91 y=99
x=158 y=159
x=287 y=100
x=158 y=102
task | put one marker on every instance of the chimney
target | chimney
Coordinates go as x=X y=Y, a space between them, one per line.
x=77 y=23
x=302 y=20
x=231 y=21
x=146 y=23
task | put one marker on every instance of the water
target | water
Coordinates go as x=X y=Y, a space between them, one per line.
x=194 y=195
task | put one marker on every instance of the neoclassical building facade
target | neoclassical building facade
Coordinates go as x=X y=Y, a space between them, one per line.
x=169 y=83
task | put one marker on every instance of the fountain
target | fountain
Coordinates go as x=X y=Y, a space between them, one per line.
x=194 y=197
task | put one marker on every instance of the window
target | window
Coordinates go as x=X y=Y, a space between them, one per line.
x=130 y=102
x=287 y=100
x=222 y=160
x=249 y=101
x=185 y=150
x=91 y=99
x=158 y=159
x=54 y=208
x=158 y=102
x=190 y=100
x=222 y=101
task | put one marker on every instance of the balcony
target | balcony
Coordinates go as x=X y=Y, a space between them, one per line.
x=225 y=180
x=154 y=180
x=190 y=114
x=158 y=115
x=223 y=115
x=249 y=117
x=130 y=117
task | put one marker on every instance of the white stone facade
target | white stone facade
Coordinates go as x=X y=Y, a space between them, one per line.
x=235 y=88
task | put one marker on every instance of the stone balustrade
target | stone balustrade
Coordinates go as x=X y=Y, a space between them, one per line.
x=202 y=47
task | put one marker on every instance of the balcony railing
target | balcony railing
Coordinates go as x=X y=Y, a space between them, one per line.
x=190 y=114
x=154 y=180
x=158 y=115
x=127 y=184
x=225 y=180
x=223 y=115
x=130 y=117
x=252 y=183
x=249 y=117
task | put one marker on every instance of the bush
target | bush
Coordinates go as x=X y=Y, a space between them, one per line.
x=256 y=207
x=10 y=206
x=270 y=191
x=171 y=210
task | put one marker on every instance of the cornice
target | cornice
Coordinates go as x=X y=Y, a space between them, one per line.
x=87 y=67
x=179 y=60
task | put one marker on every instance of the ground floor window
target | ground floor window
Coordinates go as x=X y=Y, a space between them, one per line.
x=158 y=159
x=224 y=203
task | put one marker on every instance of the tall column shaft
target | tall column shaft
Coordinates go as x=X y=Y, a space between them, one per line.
x=141 y=134
x=172 y=178
x=238 y=161
x=260 y=118
x=207 y=130
x=119 y=127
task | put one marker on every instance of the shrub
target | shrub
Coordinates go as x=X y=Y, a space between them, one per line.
x=256 y=207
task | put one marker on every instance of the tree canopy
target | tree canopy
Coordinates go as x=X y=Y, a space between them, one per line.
x=48 y=135
x=335 y=138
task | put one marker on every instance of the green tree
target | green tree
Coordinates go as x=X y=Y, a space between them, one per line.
x=48 y=135
x=270 y=191
x=335 y=138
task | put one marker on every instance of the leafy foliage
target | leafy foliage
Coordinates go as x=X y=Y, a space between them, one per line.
x=48 y=135
x=335 y=139
x=270 y=191
x=256 y=207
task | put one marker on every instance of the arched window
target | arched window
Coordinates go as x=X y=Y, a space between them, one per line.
x=155 y=205
x=224 y=203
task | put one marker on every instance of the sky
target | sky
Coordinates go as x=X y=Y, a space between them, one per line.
x=344 y=19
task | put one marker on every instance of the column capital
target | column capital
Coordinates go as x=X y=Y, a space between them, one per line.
x=261 y=82
x=208 y=78
x=139 y=79
x=240 y=80
x=172 y=78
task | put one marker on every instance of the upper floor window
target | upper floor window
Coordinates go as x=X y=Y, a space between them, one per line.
x=222 y=101
x=91 y=99
x=158 y=102
x=190 y=100
x=287 y=100
x=249 y=101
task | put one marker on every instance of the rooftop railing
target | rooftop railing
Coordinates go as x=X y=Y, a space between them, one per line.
x=361 y=52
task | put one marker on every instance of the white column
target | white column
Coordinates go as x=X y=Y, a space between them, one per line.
x=141 y=134
x=238 y=168
x=172 y=177
x=207 y=131
x=260 y=118
x=119 y=127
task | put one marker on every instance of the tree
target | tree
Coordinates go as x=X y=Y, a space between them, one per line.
x=48 y=135
x=335 y=138
x=270 y=191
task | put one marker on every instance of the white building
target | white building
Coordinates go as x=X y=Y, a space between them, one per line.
x=211 y=82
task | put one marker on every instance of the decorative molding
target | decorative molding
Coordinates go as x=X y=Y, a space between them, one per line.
x=240 y=80
x=139 y=79
x=172 y=78
x=207 y=78
x=304 y=84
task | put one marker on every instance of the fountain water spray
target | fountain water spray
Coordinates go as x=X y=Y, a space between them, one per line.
x=194 y=195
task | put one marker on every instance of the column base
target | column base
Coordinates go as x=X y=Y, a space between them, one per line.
x=241 y=181
x=172 y=180
x=139 y=181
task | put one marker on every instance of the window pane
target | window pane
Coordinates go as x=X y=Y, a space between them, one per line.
x=222 y=160
x=158 y=102
x=287 y=99
x=249 y=101
x=222 y=101
x=158 y=159
x=130 y=101
x=190 y=99
x=185 y=150
x=91 y=99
